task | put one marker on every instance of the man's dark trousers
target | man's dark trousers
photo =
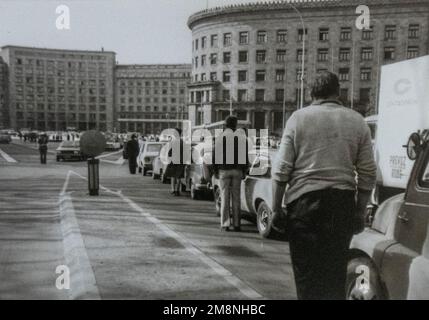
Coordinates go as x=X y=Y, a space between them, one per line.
x=320 y=226
x=43 y=155
x=132 y=164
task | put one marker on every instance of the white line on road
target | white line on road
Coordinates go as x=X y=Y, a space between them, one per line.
x=213 y=264
x=82 y=279
x=7 y=157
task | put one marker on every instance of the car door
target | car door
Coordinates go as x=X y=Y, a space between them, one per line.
x=411 y=230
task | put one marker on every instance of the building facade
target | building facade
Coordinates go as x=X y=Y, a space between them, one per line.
x=151 y=98
x=250 y=56
x=55 y=90
x=4 y=114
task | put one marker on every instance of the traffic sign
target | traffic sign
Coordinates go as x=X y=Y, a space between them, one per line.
x=92 y=143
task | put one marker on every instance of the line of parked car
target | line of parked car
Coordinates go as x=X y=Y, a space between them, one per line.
x=203 y=185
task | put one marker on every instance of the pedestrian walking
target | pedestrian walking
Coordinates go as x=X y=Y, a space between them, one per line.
x=230 y=165
x=176 y=170
x=43 y=147
x=132 y=151
x=325 y=158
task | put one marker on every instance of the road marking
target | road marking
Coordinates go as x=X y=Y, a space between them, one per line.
x=120 y=161
x=108 y=154
x=7 y=157
x=245 y=289
x=82 y=278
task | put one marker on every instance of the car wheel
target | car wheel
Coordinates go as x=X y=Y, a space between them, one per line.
x=218 y=201
x=372 y=289
x=195 y=194
x=264 y=220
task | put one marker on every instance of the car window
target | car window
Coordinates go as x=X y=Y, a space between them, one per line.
x=425 y=177
x=154 y=147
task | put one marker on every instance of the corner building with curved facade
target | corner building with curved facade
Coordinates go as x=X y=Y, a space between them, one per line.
x=251 y=54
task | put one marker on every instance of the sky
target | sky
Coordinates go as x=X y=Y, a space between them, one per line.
x=139 y=31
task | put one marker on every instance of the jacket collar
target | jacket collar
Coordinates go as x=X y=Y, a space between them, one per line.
x=329 y=102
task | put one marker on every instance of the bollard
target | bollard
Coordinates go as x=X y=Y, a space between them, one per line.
x=93 y=176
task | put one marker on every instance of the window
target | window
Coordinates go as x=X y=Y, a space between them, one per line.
x=366 y=54
x=301 y=33
x=203 y=77
x=281 y=56
x=196 y=62
x=227 y=57
x=243 y=57
x=203 y=60
x=344 y=74
x=261 y=37
x=242 y=76
x=323 y=34
x=390 y=32
x=196 y=44
x=322 y=54
x=412 y=52
x=244 y=37
x=367 y=34
x=203 y=42
x=344 y=54
x=260 y=75
x=242 y=95
x=260 y=95
x=346 y=34
x=281 y=36
x=227 y=39
x=280 y=93
x=226 y=95
x=261 y=56
x=213 y=59
x=213 y=76
x=226 y=76
x=364 y=94
x=413 y=31
x=365 y=74
x=299 y=74
x=213 y=40
x=280 y=75
x=299 y=55
x=196 y=78
x=424 y=180
x=389 y=53
x=344 y=95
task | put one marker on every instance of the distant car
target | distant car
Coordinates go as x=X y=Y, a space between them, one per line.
x=150 y=151
x=112 y=146
x=5 y=138
x=70 y=150
x=256 y=195
x=159 y=165
x=390 y=259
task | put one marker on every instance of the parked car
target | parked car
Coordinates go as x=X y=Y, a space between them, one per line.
x=390 y=259
x=159 y=165
x=5 y=138
x=112 y=146
x=70 y=150
x=256 y=194
x=150 y=151
x=198 y=175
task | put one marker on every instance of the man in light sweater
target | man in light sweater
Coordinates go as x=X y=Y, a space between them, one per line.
x=326 y=160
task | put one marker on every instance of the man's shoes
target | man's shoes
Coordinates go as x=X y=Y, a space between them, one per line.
x=224 y=229
x=237 y=229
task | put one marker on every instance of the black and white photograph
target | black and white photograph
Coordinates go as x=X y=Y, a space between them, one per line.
x=231 y=151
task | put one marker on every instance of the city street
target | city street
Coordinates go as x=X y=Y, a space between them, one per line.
x=134 y=241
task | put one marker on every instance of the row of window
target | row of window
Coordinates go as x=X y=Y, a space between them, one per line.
x=61 y=90
x=132 y=83
x=51 y=81
x=59 y=116
x=60 y=107
x=124 y=108
x=323 y=54
x=29 y=62
x=52 y=98
x=281 y=36
x=280 y=75
x=172 y=91
x=149 y=100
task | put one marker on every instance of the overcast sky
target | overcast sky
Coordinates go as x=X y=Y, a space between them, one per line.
x=139 y=31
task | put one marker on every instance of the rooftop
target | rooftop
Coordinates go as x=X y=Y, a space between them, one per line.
x=287 y=5
x=59 y=50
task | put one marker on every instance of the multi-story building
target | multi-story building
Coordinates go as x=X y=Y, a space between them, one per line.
x=53 y=89
x=151 y=98
x=4 y=115
x=251 y=55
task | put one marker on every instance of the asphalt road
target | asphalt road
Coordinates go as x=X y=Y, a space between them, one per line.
x=134 y=241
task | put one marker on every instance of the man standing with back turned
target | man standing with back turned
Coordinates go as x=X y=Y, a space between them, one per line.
x=326 y=158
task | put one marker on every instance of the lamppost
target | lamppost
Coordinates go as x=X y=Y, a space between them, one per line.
x=301 y=105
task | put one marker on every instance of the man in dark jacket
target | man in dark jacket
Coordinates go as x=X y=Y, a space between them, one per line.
x=43 y=147
x=230 y=163
x=132 y=152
